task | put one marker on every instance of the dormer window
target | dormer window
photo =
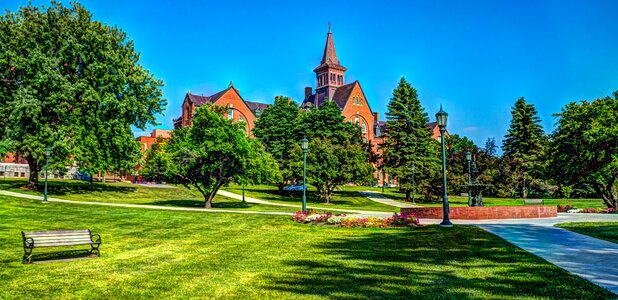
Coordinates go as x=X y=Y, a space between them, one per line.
x=230 y=113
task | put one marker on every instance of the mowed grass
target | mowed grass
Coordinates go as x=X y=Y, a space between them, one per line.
x=394 y=194
x=341 y=198
x=178 y=196
x=602 y=230
x=164 y=254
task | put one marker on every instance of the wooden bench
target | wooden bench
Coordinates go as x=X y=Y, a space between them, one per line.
x=534 y=201
x=59 y=238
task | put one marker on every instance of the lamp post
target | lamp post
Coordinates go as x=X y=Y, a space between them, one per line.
x=441 y=117
x=413 y=183
x=304 y=145
x=383 y=180
x=47 y=154
x=469 y=158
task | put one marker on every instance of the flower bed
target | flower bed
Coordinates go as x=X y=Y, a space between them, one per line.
x=572 y=209
x=342 y=220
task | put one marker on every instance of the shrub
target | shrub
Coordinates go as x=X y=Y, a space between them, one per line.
x=404 y=219
x=589 y=210
x=565 y=208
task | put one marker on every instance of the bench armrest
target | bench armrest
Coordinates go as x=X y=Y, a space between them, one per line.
x=97 y=240
x=28 y=242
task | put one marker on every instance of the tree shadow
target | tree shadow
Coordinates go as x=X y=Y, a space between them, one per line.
x=426 y=263
x=200 y=204
x=60 y=188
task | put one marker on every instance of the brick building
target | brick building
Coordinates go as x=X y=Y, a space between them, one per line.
x=148 y=140
x=237 y=108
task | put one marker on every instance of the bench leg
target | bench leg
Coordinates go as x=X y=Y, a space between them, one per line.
x=27 y=259
x=95 y=249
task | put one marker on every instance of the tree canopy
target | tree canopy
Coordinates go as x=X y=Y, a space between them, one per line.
x=73 y=84
x=584 y=146
x=214 y=151
x=277 y=129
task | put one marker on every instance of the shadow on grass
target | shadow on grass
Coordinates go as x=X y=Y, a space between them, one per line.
x=63 y=255
x=294 y=197
x=426 y=263
x=60 y=188
x=200 y=204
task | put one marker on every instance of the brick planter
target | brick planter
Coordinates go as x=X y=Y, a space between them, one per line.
x=485 y=212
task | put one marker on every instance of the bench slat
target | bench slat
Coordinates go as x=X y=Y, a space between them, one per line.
x=74 y=243
x=44 y=238
x=56 y=233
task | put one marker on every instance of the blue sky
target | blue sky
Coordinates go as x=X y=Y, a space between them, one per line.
x=473 y=57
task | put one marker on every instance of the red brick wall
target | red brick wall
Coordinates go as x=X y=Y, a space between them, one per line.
x=352 y=110
x=486 y=212
x=232 y=98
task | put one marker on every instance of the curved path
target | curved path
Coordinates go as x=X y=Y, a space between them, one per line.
x=378 y=197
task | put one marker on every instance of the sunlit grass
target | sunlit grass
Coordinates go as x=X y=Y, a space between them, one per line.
x=602 y=230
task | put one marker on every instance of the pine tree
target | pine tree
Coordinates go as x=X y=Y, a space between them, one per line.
x=408 y=139
x=524 y=144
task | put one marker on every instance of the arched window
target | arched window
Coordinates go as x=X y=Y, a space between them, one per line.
x=356 y=120
x=230 y=113
x=364 y=128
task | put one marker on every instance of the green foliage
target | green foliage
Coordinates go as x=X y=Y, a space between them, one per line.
x=330 y=165
x=584 y=148
x=408 y=140
x=157 y=163
x=524 y=145
x=75 y=85
x=214 y=151
x=327 y=122
x=277 y=129
x=567 y=190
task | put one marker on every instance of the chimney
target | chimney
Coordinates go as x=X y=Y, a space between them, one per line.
x=308 y=92
x=375 y=116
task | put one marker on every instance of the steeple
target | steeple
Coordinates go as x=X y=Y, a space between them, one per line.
x=329 y=74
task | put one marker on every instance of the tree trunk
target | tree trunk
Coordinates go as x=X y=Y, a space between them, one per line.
x=408 y=195
x=90 y=181
x=329 y=192
x=207 y=201
x=280 y=186
x=33 y=180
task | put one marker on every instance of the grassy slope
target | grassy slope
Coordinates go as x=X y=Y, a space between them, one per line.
x=602 y=230
x=346 y=199
x=393 y=193
x=136 y=194
x=161 y=254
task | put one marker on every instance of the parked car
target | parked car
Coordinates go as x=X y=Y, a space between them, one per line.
x=294 y=187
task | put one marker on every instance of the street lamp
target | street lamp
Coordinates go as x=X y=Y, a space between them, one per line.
x=441 y=117
x=47 y=154
x=304 y=145
x=413 y=183
x=469 y=158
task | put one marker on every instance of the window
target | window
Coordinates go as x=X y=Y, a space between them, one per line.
x=240 y=119
x=356 y=120
x=230 y=114
x=16 y=174
x=364 y=127
x=1 y=173
x=23 y=174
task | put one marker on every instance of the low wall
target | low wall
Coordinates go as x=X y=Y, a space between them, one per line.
x=485 y=212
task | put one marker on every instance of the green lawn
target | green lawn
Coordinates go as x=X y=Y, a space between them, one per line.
x=602 y=230
x=135 y=194
x=341 y=199
x=394 y=194
x=164 y=254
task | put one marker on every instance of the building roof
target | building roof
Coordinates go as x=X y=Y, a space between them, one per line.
x=329 y=58
x=253 y=106
x=341 y=96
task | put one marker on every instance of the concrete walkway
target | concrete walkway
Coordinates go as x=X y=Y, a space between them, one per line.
x=585 y=256
x=378 y=197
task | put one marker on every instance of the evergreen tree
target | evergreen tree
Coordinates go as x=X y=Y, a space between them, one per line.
x=524 y=146
x=277 y=130
x=408 y=140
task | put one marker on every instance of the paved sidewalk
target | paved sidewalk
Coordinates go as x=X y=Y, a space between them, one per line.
x=378 y=197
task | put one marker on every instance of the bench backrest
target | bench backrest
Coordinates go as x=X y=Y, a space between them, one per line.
x=57 y=238
x=534 y=201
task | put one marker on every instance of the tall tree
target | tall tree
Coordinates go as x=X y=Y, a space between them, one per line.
x=277 y=130
x=408 y=140
x=214 y=151
x=524 y=145
x=584 y=146
x=73 y=84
